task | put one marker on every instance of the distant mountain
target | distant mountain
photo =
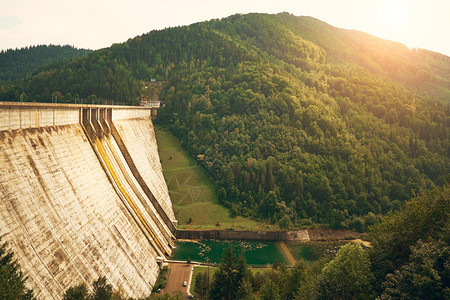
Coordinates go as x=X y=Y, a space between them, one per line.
x=293 y=118
x=15 y=64
x=422 y=71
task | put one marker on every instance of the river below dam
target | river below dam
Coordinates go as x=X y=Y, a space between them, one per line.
x=257 y=253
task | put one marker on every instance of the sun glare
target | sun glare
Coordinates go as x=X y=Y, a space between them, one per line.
x=394 y=20
x=394 y=15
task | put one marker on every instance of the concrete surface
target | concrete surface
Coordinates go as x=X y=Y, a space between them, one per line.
x=62 y=212
x=137 y=136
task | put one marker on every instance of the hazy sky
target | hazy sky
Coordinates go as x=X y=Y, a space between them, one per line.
x=97 y=24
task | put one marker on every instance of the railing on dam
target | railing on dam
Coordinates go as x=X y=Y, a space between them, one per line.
x=21 y=115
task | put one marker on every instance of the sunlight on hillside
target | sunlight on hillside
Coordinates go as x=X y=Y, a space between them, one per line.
x=394 y=15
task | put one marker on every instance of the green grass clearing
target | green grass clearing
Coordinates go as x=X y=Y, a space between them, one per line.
x=192 y=192
x=313 y=251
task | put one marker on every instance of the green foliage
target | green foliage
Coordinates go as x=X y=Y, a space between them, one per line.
x=201 y=285
x=225 y=281
x=171 y=296
x=79 y=292
x=348 y=276
x=423 y=218
x=423 y=272
x=231 y=280
x=294 y=280
x=15 y=64
x=234 y=280
x=245 y=290
x=334 y=145
x=101 y=290
x=12 y=281
x=161 y=281
x=270 y=291
x=280 y=282
x=285 y=222
x=425 y=276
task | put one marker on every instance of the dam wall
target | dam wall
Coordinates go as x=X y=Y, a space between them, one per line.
x=71 y=206
x=22 y=116
x=136 y=137
x=293 y=235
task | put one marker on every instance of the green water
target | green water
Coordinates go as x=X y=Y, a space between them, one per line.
x=255 y=252
x=313 y=251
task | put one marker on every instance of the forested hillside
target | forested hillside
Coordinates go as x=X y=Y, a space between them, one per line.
x=294 y=119
x=421 y=71
x=409 y=259
x=15 y=64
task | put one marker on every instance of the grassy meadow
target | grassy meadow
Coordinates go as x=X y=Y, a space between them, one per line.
x=192 y=193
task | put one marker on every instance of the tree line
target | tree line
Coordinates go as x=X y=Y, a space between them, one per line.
x=291 y=119
x=15 y=64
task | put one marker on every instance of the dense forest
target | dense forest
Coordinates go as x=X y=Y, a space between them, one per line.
x=16 y=63
x=295 y=120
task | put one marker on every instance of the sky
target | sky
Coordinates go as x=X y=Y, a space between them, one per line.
x=96 y=24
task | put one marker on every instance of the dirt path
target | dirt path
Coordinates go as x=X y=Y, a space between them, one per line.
x=287 y=254
x=178 y=274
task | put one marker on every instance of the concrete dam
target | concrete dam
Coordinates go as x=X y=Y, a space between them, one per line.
x=82 y=195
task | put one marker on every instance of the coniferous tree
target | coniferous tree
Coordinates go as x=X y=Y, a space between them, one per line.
x=201 y=285
x=79 y=292
x=12 y=280
x=227 y=280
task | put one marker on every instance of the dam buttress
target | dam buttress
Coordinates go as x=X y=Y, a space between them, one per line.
x=82 y=195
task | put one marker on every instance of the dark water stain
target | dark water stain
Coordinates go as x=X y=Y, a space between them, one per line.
x=41 y=141
x=33 y=143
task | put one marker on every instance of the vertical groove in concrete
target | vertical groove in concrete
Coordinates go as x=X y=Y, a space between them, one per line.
x=141 y=198
x=97 y=130
x=135 y=135
x=124 y=191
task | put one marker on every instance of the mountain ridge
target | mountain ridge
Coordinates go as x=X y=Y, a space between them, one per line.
x=294 y=118
x=16 y=63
